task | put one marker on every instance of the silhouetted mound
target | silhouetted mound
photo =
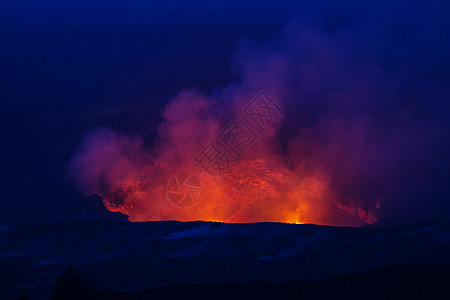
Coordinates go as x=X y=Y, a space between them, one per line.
x=23 y=297
x=73 y=285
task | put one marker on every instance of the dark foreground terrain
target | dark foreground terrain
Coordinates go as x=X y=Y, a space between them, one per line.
x=215 y=260
x=420 y=281
x=430 y=281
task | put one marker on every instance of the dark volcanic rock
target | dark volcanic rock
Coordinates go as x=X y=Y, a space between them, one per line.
x=137 y=256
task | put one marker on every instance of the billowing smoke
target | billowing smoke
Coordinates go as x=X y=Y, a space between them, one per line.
x=351 y=137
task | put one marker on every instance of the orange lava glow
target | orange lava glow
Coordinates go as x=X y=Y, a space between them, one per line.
x=250 y=191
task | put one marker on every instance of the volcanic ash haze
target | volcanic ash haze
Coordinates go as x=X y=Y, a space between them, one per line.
x=344 y=150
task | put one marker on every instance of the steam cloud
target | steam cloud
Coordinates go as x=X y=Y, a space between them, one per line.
x=361 y=140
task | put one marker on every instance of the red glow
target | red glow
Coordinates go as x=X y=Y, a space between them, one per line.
x=262 y=185
x=249 y=192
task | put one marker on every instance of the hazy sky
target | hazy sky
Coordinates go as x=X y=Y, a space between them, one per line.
x=135 y=12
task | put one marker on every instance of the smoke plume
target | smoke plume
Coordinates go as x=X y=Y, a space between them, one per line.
x=358 y=139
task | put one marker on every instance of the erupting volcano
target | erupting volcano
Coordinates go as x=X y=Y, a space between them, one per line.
x=306 y=135
x=248 y=181
x=250 y=192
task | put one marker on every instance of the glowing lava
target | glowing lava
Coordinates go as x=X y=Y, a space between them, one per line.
x=249 y=191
